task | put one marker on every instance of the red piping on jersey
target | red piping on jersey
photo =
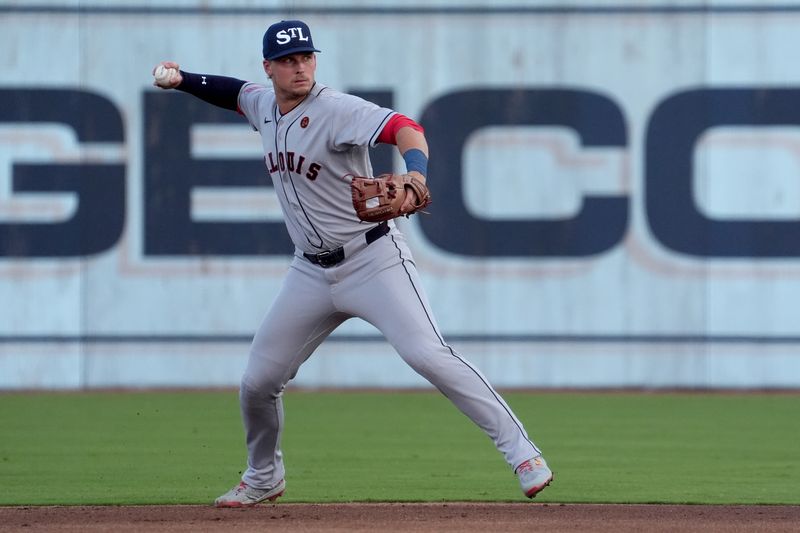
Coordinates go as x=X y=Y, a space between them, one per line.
x=388 y=134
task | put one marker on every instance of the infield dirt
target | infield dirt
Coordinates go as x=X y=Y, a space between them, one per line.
x=404 y=517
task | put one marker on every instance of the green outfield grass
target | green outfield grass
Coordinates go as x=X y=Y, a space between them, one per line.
x=187 y=447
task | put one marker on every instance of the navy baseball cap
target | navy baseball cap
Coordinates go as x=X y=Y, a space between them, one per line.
x=287 y=37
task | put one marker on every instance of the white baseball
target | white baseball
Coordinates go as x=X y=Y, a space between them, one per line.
x=164 y=75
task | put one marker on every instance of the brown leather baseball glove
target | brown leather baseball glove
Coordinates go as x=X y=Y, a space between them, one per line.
x=380 y=198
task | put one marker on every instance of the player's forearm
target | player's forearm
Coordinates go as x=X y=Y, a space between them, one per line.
x=221 y=91
x=414 y=148
x=408 y=138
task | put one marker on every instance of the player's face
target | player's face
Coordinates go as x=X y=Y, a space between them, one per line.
x=292 y=75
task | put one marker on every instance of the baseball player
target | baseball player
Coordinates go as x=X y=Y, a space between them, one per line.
x=315 y=139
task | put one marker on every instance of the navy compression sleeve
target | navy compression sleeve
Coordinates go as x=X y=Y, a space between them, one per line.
x=221 y=91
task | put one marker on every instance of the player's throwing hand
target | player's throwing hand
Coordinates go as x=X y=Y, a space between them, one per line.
x=167 y=75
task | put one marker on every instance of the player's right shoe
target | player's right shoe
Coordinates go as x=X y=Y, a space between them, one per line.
x=534 y=476
x=242 y=495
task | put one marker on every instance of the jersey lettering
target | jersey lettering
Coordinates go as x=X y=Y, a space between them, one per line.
x=273 y=168
x=292 y=162
x=313 y=170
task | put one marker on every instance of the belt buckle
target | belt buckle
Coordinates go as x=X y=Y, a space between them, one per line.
x=330 y=258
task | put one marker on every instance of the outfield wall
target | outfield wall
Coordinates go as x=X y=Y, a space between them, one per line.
x=616 y=191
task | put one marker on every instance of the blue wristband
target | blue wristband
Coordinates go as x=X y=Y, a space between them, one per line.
x=416 y=160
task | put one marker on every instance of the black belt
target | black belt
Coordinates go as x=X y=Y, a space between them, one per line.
x=330 y=258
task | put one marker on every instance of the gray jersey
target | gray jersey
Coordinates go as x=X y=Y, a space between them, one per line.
x=310 y=154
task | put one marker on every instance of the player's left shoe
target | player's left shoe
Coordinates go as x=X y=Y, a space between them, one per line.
x=534 y=475
x=243 y=495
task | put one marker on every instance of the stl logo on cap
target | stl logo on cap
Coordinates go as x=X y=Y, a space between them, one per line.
x=287 y=37
x=284 y=36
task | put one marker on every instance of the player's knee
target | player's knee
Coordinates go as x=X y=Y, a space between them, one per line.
x=419 y=364
x=434 y=363
x=263 y=387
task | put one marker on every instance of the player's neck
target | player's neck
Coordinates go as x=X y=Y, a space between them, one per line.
x=287 y=102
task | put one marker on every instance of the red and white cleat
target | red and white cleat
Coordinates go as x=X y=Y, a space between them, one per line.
x=534 y=476
x=243 y=495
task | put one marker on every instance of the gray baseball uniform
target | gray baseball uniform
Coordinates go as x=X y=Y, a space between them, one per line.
x=310 y=152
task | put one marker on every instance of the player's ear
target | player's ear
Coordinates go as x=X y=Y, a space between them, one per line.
x=267 y=68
